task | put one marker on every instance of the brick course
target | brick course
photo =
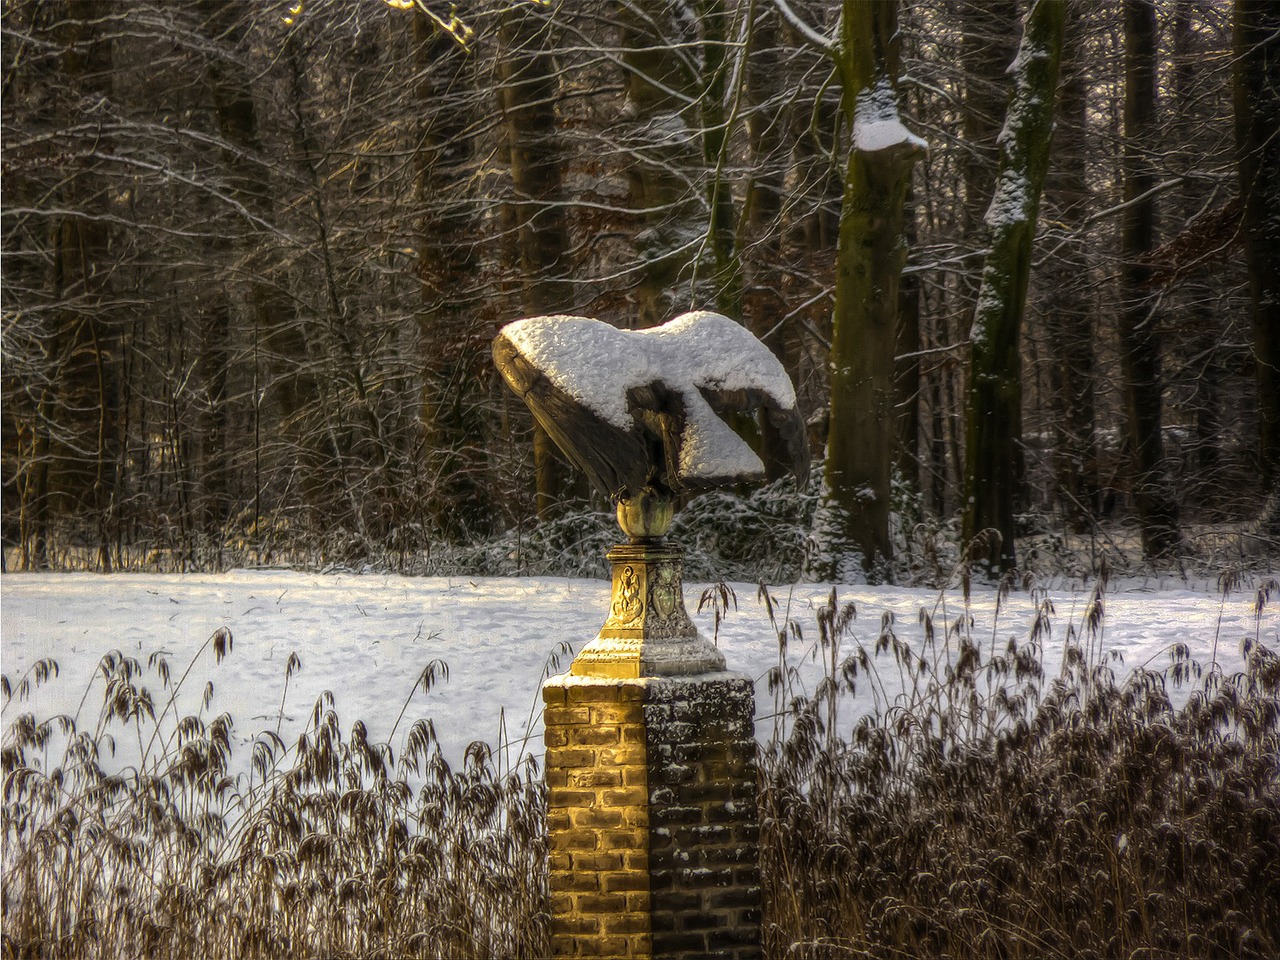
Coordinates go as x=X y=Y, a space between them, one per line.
x=597 y=821
x=702 y=817
x=652 y=823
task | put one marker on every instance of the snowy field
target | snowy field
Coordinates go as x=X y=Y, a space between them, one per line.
x=366 y=638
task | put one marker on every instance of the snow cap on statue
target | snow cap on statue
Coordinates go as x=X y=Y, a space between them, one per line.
x=644 y=409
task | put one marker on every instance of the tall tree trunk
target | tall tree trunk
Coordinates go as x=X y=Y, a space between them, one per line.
x=1139 y=343
x=810 y=229
x=869 y=264
x=1068 y=313
x=1256 y=42
x=222 y=22
x=528 y=94
x=988 y=40
x=1193 y=301
x=994 y=426
x=454 y=349
x=274 y=329
x=716 y=122
x=764 y=307
x=906 y=377
x=655 y=131
x=84 y=457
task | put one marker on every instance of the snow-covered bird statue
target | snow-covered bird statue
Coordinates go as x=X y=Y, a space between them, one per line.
x=640 y=411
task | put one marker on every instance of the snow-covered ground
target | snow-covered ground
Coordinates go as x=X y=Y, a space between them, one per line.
x=366 y=638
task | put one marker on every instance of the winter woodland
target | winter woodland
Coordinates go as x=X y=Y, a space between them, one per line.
x=1017 y=258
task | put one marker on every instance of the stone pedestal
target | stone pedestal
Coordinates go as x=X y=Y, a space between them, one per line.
x=651 y=775
x=648 y=633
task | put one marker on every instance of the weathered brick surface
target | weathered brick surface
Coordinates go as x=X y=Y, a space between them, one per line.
x=652 y=823
x=703 y=824
x=597 y=818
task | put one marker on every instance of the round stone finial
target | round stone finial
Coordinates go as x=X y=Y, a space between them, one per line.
x=647 y=516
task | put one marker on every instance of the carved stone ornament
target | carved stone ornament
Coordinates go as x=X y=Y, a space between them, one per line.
x=648 y=632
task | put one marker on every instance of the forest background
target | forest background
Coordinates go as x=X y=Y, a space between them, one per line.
x=254 y=253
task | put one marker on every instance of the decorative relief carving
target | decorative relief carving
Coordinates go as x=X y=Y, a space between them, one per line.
x=628 y=604
x=667 y=616
x=666 y=590
x=648 y=632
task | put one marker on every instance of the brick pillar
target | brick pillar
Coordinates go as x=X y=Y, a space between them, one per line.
x=704 y=874
x=651 y=822
x=650 y=766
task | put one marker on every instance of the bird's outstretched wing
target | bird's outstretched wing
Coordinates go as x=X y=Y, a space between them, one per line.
x=615 y=460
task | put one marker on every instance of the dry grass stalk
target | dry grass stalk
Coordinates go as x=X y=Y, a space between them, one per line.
x=991 y=811
x=324 y=849
x=985 y=811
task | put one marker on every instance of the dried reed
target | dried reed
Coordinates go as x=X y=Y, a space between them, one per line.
x=990 y=811
x=324 y=849
x=986 y=810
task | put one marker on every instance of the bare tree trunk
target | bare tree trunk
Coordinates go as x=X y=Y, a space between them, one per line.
x=906 y=377
x=273 y=327
x=989 y=39
x=454 y=349
x=655 y=130
x=994 y=427
x=1256 y=45
x=528 y=93
x=233 y=107
x=764 y=306
x=1139 y=342
x=869 y=266
x=83 y=471
x=716 y=122
x=1068 y=312
x=1193 y=301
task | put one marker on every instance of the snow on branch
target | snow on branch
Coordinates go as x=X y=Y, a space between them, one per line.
x=810 y=35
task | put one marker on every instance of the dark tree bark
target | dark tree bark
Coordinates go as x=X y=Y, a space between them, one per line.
x=655 y=129
x=222 y=22
x=994 y=427
x=989 y=38
x=810 y=220
x=1154 y=503
x=906 y=377
x=1068 y=314
x=454 y=348
x=869 y=264
x=1256 y=42
x=1208 y=363
x=988 y=41
x=84 y=462
x=528 y=93
x=722 y=226
x=764 y=306
x=287 y=391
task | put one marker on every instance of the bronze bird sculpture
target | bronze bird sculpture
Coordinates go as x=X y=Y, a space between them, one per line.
x=641 y=411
